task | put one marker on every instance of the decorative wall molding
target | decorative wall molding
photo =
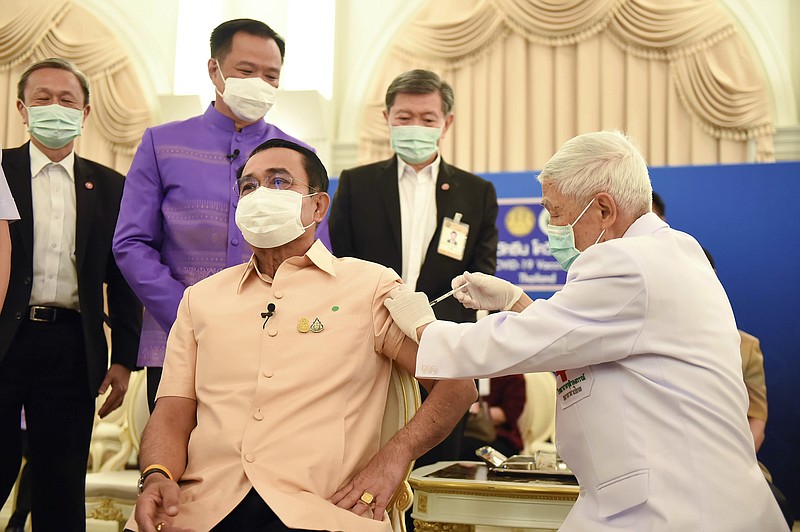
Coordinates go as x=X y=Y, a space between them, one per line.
x=787 y=144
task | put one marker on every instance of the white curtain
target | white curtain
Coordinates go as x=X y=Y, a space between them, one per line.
x=530 y=74
x=32 y=30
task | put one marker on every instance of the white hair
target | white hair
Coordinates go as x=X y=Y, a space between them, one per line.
x=603 y=161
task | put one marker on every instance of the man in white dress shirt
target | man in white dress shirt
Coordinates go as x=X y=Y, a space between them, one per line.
x=401 y=212
x=54 y=358
x=652 y=414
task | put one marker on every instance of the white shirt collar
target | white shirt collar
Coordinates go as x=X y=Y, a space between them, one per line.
x=433 y=168
x=39 y=160
x=645 y=224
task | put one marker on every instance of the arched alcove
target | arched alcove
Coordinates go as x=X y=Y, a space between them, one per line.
x=31 y=30
x=754 y=24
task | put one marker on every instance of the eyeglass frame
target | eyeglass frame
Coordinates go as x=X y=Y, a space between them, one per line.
x=271 y=177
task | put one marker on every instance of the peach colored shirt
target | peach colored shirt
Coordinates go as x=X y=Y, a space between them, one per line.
x=296 y=415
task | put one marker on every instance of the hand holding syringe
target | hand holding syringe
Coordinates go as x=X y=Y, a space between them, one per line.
x=448 y=294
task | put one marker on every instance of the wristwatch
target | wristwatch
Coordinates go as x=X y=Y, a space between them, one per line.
x=149 y=471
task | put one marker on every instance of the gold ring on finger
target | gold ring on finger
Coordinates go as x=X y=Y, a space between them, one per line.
x=367 y=498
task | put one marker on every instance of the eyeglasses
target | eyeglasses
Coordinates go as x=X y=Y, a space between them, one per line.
x=276 y=181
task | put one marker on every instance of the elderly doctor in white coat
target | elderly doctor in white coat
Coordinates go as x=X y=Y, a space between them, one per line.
x=652 y=408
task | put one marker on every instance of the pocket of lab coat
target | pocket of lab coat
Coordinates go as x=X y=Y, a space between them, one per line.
x=622 y=492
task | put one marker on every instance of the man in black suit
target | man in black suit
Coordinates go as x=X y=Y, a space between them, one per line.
x=53 y=351
x=402 y=212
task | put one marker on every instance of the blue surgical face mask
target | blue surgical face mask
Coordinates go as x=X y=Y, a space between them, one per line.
x=562 y=241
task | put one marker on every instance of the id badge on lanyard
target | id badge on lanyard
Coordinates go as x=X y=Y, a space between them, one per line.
x=453 y=238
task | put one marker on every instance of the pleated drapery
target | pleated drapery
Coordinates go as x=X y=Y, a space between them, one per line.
x=530 y=74
x=32 y=30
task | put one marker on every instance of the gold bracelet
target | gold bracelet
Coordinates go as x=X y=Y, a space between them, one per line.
x=150 y=470
x=158 y=467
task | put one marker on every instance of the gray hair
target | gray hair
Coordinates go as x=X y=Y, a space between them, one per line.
x=421 y=82
x=60 y=64
x=604 y=161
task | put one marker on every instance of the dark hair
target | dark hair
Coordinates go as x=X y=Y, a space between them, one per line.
x=421 y=82
x=60 y=64
x=710 y=258
x=222 y=36
x=658 y=205
x=317 y=174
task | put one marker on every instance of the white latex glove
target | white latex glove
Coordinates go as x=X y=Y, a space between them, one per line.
x=409 y=309
x=485 y=292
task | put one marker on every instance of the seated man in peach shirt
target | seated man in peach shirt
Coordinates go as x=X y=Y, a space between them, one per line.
x=269 y=410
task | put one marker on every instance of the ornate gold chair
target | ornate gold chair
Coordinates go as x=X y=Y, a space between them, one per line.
x=111 y=489
x=112 y=440
x=402 y=402
x=106 y=433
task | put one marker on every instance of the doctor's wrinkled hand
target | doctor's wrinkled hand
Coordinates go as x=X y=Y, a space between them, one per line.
x=410 y=310
x=485 y=292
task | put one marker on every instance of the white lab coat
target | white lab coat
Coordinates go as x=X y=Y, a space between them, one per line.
x=651 y=413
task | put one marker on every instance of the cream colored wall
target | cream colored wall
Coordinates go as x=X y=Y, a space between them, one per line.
x=794 y=47
x=364 y=28
x=147 y=28
x=772 y=27
x=769 y=25
x=364 y=31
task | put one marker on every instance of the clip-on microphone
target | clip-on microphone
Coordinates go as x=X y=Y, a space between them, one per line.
x=268 y=314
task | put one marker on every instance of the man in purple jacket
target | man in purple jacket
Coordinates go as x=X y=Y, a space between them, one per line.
x=176 y=222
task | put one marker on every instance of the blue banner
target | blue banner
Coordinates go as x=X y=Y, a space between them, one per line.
x=523 y=252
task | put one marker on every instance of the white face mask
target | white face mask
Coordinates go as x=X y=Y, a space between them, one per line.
x=249 y=98
x=270 y=218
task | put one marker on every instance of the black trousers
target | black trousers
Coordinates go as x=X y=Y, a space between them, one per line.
x=153 y=380
x=45 y=370
x=252 y=515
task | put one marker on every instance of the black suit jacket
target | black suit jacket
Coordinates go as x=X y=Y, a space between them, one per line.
x=98 y=191
x=365 y=223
